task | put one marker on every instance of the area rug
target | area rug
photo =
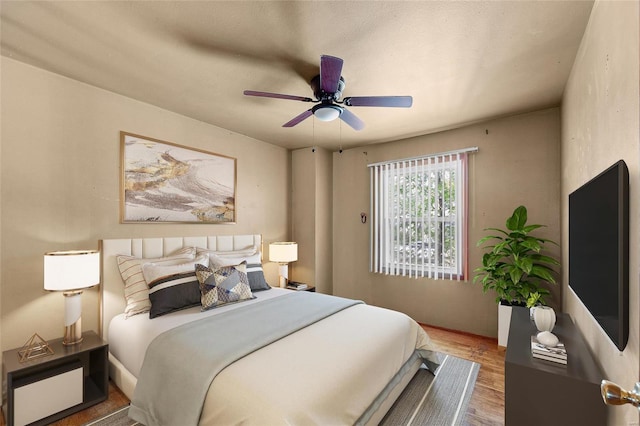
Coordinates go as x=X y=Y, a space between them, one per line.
x=427 y=400
x=440 y=400
x=116 y=418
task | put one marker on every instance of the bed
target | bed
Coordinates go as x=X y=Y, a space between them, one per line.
x=347 y=366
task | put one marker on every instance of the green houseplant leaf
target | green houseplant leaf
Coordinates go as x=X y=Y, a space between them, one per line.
x=518 y=219
x=514 y=267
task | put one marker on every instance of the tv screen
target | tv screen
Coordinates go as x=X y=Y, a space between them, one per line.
x=599 y=249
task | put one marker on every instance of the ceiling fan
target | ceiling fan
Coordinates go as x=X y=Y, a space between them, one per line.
x=327 y=89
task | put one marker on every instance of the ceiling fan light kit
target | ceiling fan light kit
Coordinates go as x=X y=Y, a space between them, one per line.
x=324 y=112
x=327 y=88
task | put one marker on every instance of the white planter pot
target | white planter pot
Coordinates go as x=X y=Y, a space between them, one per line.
x=504 y=321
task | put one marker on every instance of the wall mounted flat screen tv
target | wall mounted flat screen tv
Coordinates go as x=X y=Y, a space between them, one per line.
x=599 y=249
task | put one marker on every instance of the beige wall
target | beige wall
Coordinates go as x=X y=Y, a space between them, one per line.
x=60 y=186
x=303 y=215
x=324 y=222
x=311 y=217
x=517 y=163
x=1 y=347
x=599 y=127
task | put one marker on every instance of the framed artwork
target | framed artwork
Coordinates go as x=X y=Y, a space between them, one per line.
x=166 y=182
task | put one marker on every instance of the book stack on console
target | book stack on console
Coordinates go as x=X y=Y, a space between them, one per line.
x=557 y=354
x=293 y=285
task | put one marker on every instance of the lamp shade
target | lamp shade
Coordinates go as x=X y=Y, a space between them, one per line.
x=71 y=270
x=283 y=252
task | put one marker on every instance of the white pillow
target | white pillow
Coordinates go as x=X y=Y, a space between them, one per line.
x=217 y=261
x=232 y=253
x=153 y=270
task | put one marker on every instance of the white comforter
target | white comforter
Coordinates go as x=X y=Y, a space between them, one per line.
x=327 y=373
x=130 y=337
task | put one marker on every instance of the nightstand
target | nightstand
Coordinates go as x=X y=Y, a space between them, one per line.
x=48 y=388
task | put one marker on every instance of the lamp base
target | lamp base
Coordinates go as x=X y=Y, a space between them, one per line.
x=283 y=281
x=283 y=274
x=73 y=333
x=72 y=318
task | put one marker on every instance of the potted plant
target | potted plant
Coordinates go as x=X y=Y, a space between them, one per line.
x=515 y=268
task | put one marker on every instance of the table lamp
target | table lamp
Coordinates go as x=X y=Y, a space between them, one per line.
x=71 y=272
x=283 y=253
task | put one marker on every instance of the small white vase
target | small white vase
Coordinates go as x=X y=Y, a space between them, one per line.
x=544 y=317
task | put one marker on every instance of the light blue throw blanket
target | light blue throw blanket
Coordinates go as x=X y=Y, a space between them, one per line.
x=181 y=363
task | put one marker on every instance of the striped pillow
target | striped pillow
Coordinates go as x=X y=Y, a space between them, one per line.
x=136 y=291
x=173 y=287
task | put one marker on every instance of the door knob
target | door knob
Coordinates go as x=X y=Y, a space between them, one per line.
x=613 y=394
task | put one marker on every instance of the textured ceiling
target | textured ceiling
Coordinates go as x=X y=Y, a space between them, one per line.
x=461 y=61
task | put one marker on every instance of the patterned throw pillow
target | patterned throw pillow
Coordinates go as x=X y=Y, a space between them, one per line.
x=173 y=287
x=136 y=291
x=220 y=286
x=257 y=282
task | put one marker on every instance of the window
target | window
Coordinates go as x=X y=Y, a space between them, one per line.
x=419 y=216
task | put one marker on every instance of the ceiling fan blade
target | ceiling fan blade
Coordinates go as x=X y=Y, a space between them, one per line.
x=277 y=96
x=351 y=119
x=330 y=72
x=379 y=101
x=298 y=119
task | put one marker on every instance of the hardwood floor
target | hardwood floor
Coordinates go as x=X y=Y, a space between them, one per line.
x=487 y=402
x=116 y=399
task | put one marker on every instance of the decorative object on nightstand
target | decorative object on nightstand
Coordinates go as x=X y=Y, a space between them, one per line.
x=283 y=253
x=35 y=347
x=71 y=272
x=294 y=285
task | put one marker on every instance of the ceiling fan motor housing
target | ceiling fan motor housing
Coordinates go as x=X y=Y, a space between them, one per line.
x=321 y=95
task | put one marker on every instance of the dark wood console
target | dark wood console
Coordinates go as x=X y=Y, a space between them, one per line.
x=541 y=392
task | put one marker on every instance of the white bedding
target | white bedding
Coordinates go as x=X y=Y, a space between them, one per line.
x=326 y=373
x=130 y=337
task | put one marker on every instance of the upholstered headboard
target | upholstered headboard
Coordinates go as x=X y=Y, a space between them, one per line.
x=112 y=288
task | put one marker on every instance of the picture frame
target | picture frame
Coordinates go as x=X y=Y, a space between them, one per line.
x=163 y=182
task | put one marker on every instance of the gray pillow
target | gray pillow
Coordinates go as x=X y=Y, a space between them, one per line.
x=257 y=282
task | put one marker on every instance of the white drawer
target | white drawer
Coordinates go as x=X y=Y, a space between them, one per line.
x=42 y=398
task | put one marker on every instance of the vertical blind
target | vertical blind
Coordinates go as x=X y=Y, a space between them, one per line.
x=419 y=215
